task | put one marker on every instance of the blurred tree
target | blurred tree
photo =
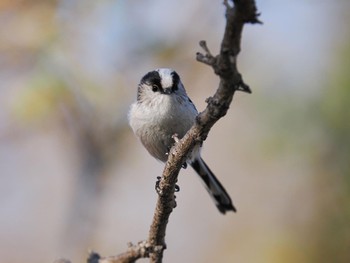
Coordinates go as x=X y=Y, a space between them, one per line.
x=333 y=166
x=57 y=93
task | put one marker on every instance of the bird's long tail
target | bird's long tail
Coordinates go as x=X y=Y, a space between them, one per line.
x=214 y=187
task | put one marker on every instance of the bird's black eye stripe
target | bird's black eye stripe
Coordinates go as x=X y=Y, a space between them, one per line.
x=152 y=79
x=176 y=80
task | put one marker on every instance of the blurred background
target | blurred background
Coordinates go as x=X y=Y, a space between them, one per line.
x=73 y=177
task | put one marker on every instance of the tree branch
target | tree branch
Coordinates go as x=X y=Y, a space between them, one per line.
x=224 y=65
x=134 y=252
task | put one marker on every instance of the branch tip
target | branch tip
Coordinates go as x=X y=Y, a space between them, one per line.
x=244 y=88
x=203 y=45
x=206 y=58
x=255 y=19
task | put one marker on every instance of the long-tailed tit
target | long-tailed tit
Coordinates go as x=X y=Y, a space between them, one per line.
x=162 y=110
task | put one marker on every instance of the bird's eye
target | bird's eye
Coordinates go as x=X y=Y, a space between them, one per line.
x=175 y=87
x=155 y=88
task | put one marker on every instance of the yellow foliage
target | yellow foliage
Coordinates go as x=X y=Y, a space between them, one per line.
x=40 y=100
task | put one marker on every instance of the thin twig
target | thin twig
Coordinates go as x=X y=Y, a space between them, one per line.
x=134 y=252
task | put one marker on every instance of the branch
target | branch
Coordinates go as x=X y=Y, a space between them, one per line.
x=134 y=252
x=224 y=65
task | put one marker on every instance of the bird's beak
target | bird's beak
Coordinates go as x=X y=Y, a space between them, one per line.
x=167 y=91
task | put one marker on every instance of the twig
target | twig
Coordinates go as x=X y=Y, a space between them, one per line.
x=224 y=65
x=134 y=252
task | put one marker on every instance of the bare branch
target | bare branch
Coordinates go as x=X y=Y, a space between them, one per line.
x=224 y=65
x=208 y=58
x=134 y=252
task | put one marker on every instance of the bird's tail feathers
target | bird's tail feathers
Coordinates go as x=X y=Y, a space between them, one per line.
x=214 y=187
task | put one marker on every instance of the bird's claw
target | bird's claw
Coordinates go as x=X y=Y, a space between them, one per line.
x=176 y=139
x=174 y=200
x=158 y=190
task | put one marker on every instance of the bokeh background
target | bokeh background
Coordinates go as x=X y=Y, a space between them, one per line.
x=73 y=177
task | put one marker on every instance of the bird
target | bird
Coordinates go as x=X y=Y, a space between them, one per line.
x=162 y=109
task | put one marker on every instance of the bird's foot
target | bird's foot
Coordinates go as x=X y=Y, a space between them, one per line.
x=175 y=137
x=158 y=190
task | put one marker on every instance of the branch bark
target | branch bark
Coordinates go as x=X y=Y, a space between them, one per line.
x=225 y=66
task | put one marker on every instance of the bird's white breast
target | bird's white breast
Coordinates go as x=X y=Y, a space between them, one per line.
x=157 y=120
